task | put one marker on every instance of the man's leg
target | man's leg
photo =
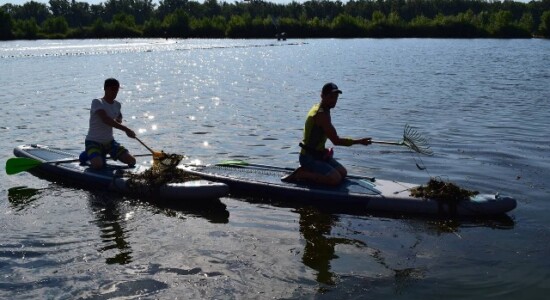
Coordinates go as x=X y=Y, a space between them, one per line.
x=128 y=159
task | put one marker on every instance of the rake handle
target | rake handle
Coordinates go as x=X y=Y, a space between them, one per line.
x=150 y=150
x=387 y=143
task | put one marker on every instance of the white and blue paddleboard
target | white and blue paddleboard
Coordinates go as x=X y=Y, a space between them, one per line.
x=365 y=193
x=65 y=167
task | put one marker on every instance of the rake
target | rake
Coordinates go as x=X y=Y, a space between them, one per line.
x=412 y=140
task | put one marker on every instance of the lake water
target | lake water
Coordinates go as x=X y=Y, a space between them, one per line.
x=484 y=105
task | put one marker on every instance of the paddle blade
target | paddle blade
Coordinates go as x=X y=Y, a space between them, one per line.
x=16 y=165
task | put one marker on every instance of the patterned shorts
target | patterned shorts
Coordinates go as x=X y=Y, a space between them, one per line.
x=324 y=167
x=114 y=149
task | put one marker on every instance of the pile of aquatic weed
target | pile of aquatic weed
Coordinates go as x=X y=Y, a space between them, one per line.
x=164 y=171
x=442 y=191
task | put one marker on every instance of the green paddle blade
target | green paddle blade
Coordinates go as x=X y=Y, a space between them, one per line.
x=16 y=165
x=233 y=162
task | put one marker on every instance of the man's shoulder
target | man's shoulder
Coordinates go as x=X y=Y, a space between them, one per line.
x=316 y=107
x=103 y=102
x=96 y=102
x=322 y=110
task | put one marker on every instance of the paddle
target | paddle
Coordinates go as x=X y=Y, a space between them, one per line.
x=19 y=164
x=16 y=165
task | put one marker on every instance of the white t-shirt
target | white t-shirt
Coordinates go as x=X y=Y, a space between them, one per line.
x=98 y=130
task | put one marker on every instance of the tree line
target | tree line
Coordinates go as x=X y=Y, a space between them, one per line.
x=260 y=19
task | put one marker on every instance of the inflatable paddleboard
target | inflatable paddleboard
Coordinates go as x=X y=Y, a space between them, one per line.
x=66 y=167
x=357 y=191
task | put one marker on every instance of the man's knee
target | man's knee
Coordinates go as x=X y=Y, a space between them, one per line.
x=128 y=159
x=96 y=162
x=343 y=172
x=131 y=161
x=334 y=178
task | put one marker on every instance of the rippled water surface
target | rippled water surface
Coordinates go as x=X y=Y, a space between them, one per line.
x=484 y=105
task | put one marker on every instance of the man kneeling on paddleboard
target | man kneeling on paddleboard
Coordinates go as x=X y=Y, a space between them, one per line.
x=316 y=162
x=104 y=116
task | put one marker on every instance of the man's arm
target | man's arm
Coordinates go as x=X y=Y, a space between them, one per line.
x=323 y=120
x=115 y=123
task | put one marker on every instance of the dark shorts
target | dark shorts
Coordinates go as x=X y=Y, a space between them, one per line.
x=114 y=149
x=323 y=167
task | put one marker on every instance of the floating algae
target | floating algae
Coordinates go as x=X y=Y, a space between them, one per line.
x=442 y=191
x=164 y=171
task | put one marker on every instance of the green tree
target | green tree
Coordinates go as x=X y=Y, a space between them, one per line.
x=80 y=15
x=60 y=8
x=378 y=17
x=26 y=29
x=5 y=25
x=55 y=25
x=212 y=8
x=236 y=27
x=177 y=23
x=323 y=9
x=256 y=18
x=421 y=26
x=395 y=19
x=167 y=7
x=38 y=11
x=503 y=26
x=502 y=19
x=10 y=9
x=141 y=10
x=124 y=20
x=544 y=27
x=98 y=29
x=527 y=22
x=420 y=21
x=208 y=27
x=345 y=25
x=124 y=25
x=153 y=28
x=97 y=11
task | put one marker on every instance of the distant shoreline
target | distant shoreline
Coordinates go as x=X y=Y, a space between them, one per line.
x=64 y=19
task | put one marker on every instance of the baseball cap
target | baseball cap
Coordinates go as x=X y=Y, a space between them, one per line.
x=330 y=88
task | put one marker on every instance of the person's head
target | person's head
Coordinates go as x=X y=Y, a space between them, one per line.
x=111 y=87
x=329 y=94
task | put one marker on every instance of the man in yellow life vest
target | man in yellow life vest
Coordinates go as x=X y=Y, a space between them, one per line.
x=316 y=162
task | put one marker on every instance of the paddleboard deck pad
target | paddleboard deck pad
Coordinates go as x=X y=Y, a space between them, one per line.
x=357 y=191
x=68 y=169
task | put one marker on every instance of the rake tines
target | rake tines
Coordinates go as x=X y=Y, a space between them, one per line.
x=412 y=140
x=415 y=141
